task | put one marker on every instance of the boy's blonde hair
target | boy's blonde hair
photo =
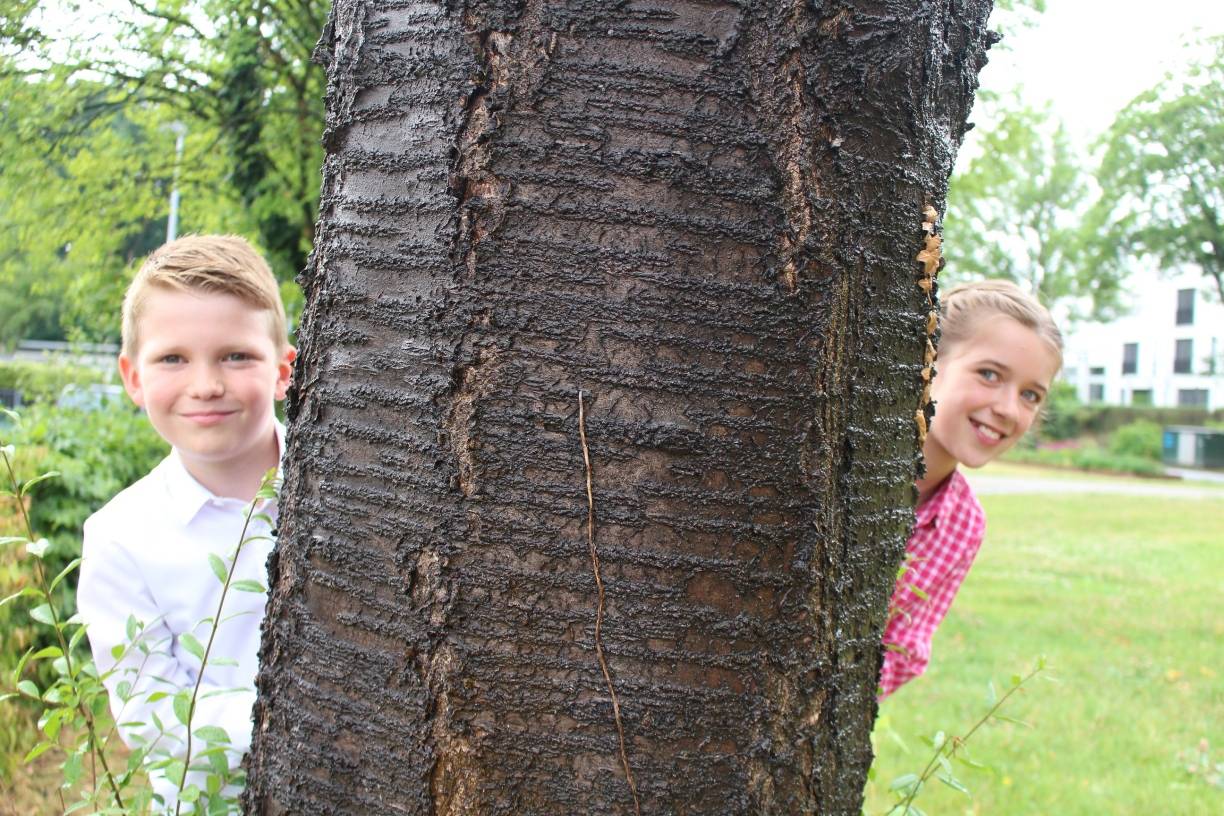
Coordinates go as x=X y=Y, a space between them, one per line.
x=964 y=307
x=224 y=264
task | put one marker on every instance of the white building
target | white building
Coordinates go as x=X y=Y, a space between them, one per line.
x=1167 y=351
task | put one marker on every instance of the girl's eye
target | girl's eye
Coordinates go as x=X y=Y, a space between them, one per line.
x=989 y=374
x=1029 y=395
x=171 y=359
x=237 y=357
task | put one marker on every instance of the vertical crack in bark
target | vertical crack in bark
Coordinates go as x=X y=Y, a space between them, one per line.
x=599 y=609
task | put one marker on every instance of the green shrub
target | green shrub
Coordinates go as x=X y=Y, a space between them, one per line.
x=96 y=453
x=1060 y=417
x=45 y=381
x=1142 y=438
x=1088 y=457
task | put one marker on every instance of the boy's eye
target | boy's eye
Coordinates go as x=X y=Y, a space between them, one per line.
x=170 y=358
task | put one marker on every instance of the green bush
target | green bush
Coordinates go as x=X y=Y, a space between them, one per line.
x=1065 y=417
x=1088 y=457
x=96 y=453
x=1142 y=438
x=1060 y=417
x=45 y=381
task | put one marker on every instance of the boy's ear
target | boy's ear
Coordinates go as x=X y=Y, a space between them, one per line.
x=284 y=371
x=131 y=379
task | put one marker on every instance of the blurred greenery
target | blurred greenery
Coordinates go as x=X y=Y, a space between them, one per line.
x=1162 y=175
x=1015 y=211
x=87 y=151
x=96 y=453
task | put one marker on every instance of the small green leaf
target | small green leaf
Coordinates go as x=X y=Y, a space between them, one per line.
x=954 y=783
x=123 y=690
x=38 y=750
x=25 y=488
x=182 y=707
x=46 y=651
x=73 y=564
x=213 y=734
x=190 y=794
x=218 y=567
x=905 y=782
x=918 y=592
x=28 y=688
x=1012 y=720
x=43 y=614
x=189 y=642
x=992 y=696
x=6 y=540
x=1016 y=679
x=72 y=770
x=247 y=585
x=28 y=592
x=175 y=770
x=130 y=627
x=38 y=548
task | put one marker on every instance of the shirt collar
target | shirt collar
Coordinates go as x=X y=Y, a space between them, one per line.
x=941 y=501
x=186 y=495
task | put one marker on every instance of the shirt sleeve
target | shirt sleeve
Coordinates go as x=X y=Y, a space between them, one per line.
x=111 y=590
x=907 y=638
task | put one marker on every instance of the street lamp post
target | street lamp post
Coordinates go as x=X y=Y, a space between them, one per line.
x=180 y=130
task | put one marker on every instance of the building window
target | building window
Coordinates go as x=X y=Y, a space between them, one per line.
x=1130 y=358
x=1141 y=396
x=1097 y=371
x=1192 y=397
x=1182 y=355
x=1096 y=392
x=1185 y=307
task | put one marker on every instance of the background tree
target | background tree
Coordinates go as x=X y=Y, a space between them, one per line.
x=88 y=162
x=492 y=597
x=1016 y=210
x=1162 y=175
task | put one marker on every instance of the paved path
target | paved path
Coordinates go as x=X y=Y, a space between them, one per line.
x=985 y=485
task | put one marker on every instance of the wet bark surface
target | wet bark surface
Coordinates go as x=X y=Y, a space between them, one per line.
x=702 y=215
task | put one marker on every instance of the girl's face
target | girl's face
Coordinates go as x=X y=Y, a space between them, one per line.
x=988 y=390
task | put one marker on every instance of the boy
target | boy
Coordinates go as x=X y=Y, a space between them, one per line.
x=998 y=353
x=205 y=353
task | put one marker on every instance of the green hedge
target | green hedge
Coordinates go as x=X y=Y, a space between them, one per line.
x=1087 y=458
x=45 y=381
x=96 y=453
x=1065 y=417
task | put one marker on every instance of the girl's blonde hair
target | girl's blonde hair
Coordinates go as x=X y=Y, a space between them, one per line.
x=224 y=264
x=965 y=305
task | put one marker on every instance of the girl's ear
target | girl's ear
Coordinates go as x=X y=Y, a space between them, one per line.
x=130 y=373
x=284 y=371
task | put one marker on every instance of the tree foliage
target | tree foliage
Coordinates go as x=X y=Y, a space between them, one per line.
x=1162 y=174
x=87 y=159
x=1015 y=210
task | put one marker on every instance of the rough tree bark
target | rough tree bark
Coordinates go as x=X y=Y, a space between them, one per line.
x=703 y=214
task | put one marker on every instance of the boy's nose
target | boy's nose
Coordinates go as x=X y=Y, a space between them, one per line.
x=207 y=384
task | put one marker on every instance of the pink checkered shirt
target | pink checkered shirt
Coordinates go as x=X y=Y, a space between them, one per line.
x=948 y=530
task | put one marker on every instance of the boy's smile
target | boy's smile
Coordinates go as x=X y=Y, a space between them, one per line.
x=208 y=372
x=988 y=391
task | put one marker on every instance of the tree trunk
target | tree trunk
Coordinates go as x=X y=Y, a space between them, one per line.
x=701 y=216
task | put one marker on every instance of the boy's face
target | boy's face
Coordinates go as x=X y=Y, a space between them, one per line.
x=988 y=391
x=208 y=373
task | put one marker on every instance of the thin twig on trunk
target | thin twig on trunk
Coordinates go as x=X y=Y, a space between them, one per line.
x=599 y=609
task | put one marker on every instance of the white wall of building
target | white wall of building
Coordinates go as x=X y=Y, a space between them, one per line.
x=1094 y=353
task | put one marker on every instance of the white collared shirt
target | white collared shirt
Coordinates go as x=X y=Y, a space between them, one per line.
x=145 y=555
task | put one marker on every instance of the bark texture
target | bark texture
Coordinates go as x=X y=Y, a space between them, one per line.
x=704 y=215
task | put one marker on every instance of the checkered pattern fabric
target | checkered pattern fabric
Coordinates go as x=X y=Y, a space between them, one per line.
x=948 y=530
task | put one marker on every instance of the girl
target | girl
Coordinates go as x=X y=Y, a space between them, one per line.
x=998 y=354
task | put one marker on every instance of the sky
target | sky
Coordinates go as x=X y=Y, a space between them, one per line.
x=1089 y=58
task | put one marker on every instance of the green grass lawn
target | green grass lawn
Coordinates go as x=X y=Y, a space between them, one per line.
x=1122 y=596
